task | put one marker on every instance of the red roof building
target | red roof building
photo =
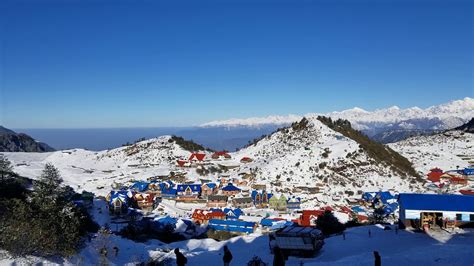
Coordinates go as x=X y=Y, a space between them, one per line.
x=203 y=217
x=309 y=217
x=182 y=163
x=246 y=160
x=434 y=176
x=346 y=210
x=327 y=208
x=362 y=218
x=458 y=180
x=466 y=191
x=197 y=156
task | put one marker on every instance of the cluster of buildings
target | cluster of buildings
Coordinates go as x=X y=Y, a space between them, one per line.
x=146 y=196
x=222 y=203
x=440 y=180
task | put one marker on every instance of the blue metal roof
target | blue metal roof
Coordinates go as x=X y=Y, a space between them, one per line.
x=140 y=186
x=231 y=225
x=468 y=171
x=211 y=185
x=193 y=187
x=230 y=187
x=357 y=209
x=435 y=202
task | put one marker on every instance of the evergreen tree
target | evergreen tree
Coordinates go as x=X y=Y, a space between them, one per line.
x=329 y=224
x=48 y=187
x=6 y=169
x=378 y=216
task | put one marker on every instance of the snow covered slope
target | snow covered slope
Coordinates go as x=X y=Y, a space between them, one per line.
x=90 y=170
x=291 y=160
x=402 y=248
x=449 y=150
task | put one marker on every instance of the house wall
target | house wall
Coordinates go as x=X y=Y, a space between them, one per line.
x=408 y=218
x=213 y=204
x=230 y=193
x=243 y=205
x=415 y=214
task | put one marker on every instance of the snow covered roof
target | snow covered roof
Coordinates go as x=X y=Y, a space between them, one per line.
x=198 y=156
x=435 y=202
x=210 y=185
x=140 y=186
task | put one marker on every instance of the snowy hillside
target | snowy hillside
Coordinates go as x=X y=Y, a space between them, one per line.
x=96 y=171
x=392 y=119
x=320 y=160
x=450 y=150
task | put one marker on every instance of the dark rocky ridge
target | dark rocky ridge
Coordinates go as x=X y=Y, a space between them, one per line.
x=10 y=141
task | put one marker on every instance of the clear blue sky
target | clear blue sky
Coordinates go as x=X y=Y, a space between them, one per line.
x=118 y=64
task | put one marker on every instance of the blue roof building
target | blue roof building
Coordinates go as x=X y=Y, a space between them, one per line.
x=261 y=198
x=194 y=188
x=188 y=191
x=230 y=190
x=468 y=171
x=168 y=189
x=430 y=209
x=232 y=213
x=233 y=226
x=139 y=186
x=211 y=185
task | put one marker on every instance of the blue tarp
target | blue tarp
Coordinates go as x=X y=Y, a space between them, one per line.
x=435 y=202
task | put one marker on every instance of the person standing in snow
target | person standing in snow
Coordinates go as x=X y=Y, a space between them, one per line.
x=227 y=256
x=180 y=258
x=378 y=260
x=278 y=257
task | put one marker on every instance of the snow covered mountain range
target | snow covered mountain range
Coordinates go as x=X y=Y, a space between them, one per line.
x=384 y=125
x=308 y=159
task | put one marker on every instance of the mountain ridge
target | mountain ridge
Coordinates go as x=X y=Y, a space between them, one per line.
x=11 y=141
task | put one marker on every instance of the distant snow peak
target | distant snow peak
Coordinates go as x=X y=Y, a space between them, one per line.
x=255 y=121
x=447 y=115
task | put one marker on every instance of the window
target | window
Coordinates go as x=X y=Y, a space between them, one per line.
x=458 y=217
x=471 y=217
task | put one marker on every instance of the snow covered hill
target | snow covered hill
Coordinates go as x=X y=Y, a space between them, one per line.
x=372 y=123
x=96 y=171
x=449 y=150
x=321 y=164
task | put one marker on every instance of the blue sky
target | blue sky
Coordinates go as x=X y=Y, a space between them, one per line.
x=78 y=64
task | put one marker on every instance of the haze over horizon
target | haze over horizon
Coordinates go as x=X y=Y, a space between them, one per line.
x=108 y=65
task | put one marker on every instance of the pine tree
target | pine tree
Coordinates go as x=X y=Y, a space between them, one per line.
x=48 y=187
x=6 y=169
x=329 y=224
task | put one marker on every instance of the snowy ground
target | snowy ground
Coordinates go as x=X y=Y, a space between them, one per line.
x=404 y=248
